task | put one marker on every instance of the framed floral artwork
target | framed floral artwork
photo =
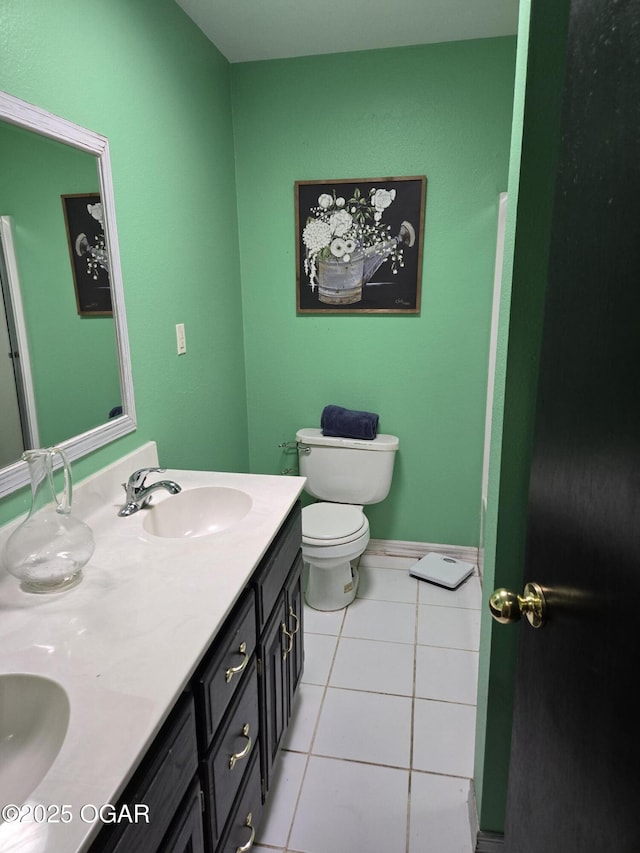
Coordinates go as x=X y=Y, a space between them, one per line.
x=359 y=245
x=88 y=253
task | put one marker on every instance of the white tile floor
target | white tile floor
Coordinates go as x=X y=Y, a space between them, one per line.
x=379 y=754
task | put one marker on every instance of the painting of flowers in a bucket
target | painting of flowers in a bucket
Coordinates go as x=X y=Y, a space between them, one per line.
x=84 y=220
x=359 y=245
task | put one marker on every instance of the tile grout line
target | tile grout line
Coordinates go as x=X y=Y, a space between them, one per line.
x=362 y=690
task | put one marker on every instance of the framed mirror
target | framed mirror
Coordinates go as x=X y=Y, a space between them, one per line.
x=64 y=348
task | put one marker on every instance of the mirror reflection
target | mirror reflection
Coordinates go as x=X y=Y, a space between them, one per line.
x=65 y=376
x=74 y=362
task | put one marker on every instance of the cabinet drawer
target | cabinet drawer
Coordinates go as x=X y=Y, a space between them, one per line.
x=240 y=833
x=232 y=750
x=272 y=573
x=158 y=785
x=223 y=669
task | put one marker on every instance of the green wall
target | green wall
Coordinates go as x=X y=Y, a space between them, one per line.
x=144 y=76
x=73 y=359
x=443 y=111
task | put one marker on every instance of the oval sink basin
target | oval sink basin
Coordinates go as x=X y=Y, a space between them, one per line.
x=197 y=512
x=34 y=717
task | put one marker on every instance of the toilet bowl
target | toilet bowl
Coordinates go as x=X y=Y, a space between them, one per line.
x=334 y=536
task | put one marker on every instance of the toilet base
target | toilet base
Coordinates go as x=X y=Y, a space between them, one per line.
x=332 y=588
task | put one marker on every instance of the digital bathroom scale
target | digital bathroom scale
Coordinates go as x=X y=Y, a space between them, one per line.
x=441 y=570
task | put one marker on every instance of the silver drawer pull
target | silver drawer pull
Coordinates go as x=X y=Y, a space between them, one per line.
x=286 y=633
x=252 y=837
x=238 y=755
x=234 y=670
x=292 y=614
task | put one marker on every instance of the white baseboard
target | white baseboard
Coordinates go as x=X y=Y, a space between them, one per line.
x=489 y=842
x=417 y=550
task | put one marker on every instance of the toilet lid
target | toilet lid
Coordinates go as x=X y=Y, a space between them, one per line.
x=331 y=521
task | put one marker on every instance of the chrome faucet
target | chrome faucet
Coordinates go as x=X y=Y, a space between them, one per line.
x=138 y=495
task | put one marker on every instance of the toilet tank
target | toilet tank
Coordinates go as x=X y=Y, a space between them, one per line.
x=346 y=470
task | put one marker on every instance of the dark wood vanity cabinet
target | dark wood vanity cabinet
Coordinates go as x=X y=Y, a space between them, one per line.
x=206 y=776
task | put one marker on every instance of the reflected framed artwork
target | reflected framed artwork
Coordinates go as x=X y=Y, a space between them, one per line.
x=84 y=221
x=359 y=245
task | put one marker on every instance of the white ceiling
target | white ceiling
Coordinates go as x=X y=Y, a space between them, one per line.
x=247 y=30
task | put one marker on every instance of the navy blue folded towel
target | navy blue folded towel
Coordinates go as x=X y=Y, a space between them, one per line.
x=348 y=423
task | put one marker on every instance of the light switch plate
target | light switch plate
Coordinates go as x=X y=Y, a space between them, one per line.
x=181 y=339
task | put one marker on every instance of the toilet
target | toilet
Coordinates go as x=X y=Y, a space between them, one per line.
x=344 y=474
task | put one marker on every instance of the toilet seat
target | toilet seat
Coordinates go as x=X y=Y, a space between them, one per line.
x=328 y=524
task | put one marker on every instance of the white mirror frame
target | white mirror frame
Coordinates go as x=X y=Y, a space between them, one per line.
x=18 y=112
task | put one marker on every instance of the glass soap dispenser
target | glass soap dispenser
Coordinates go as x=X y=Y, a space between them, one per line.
x=48 y=550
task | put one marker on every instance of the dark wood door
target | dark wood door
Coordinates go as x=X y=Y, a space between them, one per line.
x=574 y=781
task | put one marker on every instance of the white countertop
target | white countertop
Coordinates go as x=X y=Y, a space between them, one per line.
x=126 y=640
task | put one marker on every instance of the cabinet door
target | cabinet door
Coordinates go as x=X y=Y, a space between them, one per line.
x=274 y=686
x=295 y=622
x=186 y=836
x=282 y=661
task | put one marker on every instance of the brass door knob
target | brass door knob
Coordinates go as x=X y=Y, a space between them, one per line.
x=507 y=606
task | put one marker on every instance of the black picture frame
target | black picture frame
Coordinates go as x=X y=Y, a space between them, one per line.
x=359 y=245
x=88 y=253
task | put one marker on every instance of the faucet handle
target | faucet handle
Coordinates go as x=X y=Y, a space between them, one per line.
x=136 y=480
